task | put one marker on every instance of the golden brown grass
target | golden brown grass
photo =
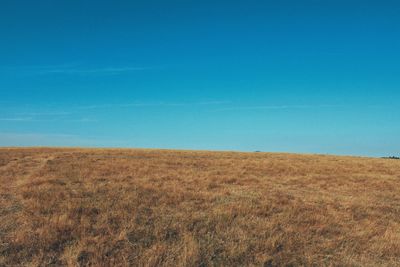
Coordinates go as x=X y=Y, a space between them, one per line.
x=186 y=208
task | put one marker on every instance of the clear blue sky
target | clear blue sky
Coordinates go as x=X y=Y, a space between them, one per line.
x=291 y=76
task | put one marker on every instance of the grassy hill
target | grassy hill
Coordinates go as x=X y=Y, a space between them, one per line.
x=100 y=207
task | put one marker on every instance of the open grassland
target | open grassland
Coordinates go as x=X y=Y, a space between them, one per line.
x=86 y=207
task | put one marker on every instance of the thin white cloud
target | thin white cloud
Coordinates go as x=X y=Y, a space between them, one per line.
x=36 y=135
x=61 y=119
x=105 y=106
x=214 y=102
x=159 y=104
x=54 y=139
x=38 y=67
x=73 y=69
x=16 y=119
x=277 y=107
x=61 y=113
x=107 y=70
x=75 y=113
x=83 y=120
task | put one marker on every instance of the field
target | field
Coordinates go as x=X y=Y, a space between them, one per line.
x=122 y=207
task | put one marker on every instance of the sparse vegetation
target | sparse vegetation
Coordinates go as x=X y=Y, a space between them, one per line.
x=391 y=157
x=81 y=207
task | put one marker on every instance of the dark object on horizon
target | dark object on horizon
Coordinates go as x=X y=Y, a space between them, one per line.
x=257 y=151
x=392 y=157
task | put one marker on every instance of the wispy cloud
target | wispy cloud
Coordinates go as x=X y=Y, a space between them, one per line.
x=213 y=102
x=55 y=139
x=38 y=139
x=277 y=107
x=54 y=119
x=36 y=135
x=105 y=106
x=156 y=104
x=50 y=113
x=82 y=114
x=73 y=69
x=106 y=70
x=83 y=120
x=16 y=119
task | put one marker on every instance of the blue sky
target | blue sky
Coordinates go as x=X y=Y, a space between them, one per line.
x=291 y=76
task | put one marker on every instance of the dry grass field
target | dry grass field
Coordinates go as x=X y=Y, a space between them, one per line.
x=98 y=207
